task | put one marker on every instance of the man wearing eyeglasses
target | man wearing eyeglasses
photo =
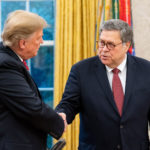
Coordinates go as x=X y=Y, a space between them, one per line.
x=111 y=92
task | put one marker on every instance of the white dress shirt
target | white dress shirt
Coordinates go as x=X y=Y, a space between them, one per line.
x=122 y=74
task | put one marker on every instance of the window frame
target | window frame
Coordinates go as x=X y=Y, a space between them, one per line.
x=49 y=43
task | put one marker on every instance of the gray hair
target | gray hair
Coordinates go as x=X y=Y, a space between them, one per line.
x=19 y=25
x=126 y=33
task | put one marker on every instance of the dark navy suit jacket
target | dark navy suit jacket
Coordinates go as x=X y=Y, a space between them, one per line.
x=25 y=120
x=101 y=128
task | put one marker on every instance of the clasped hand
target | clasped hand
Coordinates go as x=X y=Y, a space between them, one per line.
x=63 y=115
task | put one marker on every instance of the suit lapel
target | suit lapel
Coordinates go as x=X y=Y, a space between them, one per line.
x=102 y=78
x=130 y=81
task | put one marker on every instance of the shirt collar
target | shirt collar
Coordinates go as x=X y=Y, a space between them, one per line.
x=20 y=58
x=120 y=67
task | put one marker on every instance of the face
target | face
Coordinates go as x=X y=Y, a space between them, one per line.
x=31 y=45
x=113 y=54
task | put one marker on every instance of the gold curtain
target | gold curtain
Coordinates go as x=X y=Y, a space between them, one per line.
x=75 y=36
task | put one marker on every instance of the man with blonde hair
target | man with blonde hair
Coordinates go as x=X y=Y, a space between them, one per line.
x=25 y=120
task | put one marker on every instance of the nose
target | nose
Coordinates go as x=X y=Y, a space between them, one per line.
x=41 y=41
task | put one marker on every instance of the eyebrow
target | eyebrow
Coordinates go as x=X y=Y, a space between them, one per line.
x=108 y=41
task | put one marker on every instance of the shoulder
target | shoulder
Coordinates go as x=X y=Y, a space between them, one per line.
x=86 y=66
x=139 y=61
x=142 y=65
x=8 y=59
x=86 y=62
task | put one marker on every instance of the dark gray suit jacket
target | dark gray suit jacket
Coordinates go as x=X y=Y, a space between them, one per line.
x=25 y=120
x=101 y=128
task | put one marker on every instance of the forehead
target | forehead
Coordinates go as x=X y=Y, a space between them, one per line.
x=110 y=35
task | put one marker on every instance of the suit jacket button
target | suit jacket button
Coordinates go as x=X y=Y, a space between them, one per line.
x=118 y=147
x=121 y=126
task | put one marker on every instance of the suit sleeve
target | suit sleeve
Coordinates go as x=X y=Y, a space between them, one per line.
x=70 y=103
x=20 y=99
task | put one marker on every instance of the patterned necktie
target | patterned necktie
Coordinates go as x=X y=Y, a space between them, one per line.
x=117 y=90
x=25 y=64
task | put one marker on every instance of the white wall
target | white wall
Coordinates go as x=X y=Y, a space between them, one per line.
x=141 y=27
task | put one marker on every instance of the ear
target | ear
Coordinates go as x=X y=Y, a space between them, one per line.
x=22 y=44
x=126 y=46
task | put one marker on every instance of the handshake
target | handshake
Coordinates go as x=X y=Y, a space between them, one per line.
x=63 y=115
x=60 y=143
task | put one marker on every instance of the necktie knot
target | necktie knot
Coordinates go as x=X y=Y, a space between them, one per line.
x=25 y=64
x=116 y=71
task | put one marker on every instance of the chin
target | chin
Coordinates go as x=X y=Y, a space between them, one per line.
x=35 y=54
x=105 y=62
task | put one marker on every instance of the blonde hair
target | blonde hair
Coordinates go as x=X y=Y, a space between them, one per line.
x=19 y=25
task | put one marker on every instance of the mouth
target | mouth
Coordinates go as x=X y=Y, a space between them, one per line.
x=104 y=57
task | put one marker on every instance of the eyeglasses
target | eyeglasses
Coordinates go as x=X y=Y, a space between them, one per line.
x=109 y=45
